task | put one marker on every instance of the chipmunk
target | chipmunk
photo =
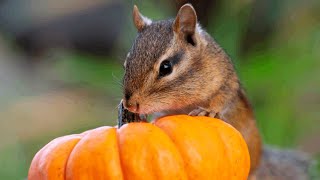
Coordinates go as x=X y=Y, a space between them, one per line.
x=176 y=67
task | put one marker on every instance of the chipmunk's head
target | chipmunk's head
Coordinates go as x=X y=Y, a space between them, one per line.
x=163 y=65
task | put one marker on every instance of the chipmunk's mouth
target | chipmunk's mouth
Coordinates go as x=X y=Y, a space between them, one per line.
x=134 y=108
x=140 y=109
x=146 y=107
x=150 y=109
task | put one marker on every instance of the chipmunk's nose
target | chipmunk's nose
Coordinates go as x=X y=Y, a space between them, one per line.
x=127 y=96
x=130 y=104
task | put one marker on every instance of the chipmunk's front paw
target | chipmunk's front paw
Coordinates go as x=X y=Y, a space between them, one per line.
x=202 y=112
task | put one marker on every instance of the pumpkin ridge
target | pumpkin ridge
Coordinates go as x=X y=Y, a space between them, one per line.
x=66 y=163
x=158 y=158
x=51 y=161
x=96 y=156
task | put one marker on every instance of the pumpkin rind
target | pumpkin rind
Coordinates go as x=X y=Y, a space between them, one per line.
x=201 y=148
x=172 y=147
x=50 y=162
x=96 y=156
x=237 y=149
x=148 y=153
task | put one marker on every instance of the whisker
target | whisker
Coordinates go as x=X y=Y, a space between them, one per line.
x=117 y=80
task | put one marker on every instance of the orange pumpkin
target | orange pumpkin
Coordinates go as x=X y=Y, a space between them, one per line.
x=172 y=147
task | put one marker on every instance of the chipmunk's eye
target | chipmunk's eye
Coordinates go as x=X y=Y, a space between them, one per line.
x=165 y=68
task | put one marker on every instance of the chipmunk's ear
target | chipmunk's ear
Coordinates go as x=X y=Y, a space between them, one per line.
x=185 y=23
x=139 y=20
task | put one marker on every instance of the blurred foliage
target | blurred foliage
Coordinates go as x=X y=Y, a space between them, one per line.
x=281 y=77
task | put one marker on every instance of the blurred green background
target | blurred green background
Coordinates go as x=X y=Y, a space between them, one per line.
x=61 y=67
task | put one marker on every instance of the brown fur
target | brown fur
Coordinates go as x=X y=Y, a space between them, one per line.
x=203 y=77
x=203 y=80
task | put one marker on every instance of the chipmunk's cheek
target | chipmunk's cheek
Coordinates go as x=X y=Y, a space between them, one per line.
x=145 y=109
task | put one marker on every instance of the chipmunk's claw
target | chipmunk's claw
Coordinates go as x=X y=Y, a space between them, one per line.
x=197 y=112
x=202 y=112
x=213 y=114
